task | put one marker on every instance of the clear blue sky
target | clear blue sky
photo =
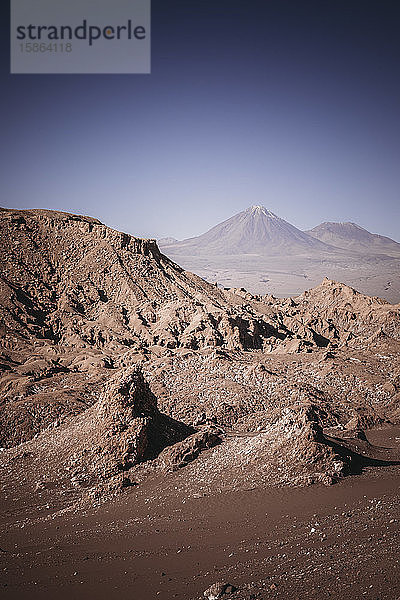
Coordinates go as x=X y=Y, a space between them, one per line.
x=294 y=105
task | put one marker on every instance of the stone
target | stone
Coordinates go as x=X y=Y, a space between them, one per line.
x=218 y=590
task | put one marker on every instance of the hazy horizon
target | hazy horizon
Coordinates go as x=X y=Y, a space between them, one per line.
x=294 y=106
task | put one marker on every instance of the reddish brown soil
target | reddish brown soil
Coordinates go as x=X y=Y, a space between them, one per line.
x=320 y=542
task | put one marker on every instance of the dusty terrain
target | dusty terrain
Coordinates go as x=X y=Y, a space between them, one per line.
x=284 y=276
x=153 y=423
x=156 y=542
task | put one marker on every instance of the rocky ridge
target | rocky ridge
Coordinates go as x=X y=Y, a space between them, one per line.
x=119 y=364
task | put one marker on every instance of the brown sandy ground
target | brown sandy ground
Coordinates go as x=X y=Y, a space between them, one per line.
x=156 y=542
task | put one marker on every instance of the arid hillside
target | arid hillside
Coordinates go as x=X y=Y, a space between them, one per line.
x=117 y=365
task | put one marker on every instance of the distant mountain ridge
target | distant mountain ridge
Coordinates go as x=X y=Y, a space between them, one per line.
x=255 y=230
x=351 y=236
x=166 y=241
x=262 y=252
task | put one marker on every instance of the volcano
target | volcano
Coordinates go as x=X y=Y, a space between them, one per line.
x=253 y=231
x=351 y=236
x=262 y=252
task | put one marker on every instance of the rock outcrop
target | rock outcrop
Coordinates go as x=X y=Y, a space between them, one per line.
x=123 y=429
